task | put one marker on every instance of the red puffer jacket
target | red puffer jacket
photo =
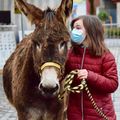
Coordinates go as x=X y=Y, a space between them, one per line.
x=102 y=81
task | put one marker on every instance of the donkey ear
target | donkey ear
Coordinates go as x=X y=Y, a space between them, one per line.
x=65 y=9
x=33 y=13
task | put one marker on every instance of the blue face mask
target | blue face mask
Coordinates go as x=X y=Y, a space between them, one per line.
x=77 y=36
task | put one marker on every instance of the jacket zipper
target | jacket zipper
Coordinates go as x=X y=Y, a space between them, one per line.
x=82 y=62
x=82 y=105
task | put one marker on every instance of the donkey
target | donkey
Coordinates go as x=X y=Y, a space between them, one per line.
x=32 y=74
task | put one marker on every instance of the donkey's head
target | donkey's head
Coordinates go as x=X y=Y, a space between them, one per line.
x=49 y=43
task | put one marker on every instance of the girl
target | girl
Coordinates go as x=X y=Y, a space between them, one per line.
x=95 y=64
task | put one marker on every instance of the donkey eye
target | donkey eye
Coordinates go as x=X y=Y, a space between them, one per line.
x=38 y=46
x=62 y=46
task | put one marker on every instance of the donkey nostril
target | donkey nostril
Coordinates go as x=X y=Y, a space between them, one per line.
x=41 y=87
x=55 y=88
x=52 y=90
x=47 y=89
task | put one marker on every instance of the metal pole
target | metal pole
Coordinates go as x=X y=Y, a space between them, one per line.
x=22 y=26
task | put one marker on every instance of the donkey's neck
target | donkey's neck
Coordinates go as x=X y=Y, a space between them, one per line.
x=23 y=71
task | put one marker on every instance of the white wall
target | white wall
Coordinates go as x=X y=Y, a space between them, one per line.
x=118 y=13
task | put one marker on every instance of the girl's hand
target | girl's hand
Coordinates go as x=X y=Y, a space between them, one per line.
x=82 y=74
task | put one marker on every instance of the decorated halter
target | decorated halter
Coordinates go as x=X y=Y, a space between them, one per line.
x=50 y=64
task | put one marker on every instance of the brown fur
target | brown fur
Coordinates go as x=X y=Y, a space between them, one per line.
x=21 y=72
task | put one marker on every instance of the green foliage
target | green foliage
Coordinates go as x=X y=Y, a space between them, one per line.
x=103 y=15
x=113 y=32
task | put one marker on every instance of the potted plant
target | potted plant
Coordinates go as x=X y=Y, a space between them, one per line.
x=103 y=15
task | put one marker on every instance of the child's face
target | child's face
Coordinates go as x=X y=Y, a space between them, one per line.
x=79 y=25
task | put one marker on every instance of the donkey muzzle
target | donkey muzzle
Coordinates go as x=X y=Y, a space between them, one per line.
x=50 y=82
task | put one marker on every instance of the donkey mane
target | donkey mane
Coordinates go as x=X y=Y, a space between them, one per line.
x=49 y=15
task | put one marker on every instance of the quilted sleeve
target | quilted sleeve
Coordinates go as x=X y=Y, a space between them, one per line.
x=108 y=81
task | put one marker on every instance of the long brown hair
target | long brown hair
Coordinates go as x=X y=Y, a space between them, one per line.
x=95 y=34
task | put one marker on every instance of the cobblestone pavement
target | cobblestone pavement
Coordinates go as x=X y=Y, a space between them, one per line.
x=7 y=112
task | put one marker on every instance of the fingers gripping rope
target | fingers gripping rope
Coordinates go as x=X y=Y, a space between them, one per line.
x=67 y=85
